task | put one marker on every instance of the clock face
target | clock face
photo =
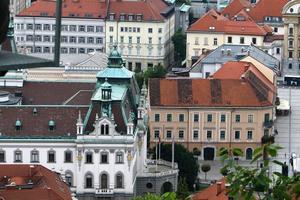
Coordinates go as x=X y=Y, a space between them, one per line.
x=4 y=19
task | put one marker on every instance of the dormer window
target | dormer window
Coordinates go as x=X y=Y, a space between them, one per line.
x=104 y=129
x=122 y=17
x=51 y=125
x=18 y=125
x=139 y=17
x=130 y=17
x=112 y=16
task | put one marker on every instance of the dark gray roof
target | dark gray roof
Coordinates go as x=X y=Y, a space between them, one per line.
x=12 y=61
x=227 y=52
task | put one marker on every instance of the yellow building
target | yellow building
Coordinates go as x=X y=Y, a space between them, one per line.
x=209 y=114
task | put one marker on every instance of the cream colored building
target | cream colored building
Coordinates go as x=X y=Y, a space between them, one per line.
x=208 y=114
x=142 y=30
x=213 y=30
x=291 y=52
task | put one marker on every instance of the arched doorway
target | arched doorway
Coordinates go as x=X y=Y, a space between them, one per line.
x=166 y=187
x=104 y=181
x=249 y=153
x=209 y=153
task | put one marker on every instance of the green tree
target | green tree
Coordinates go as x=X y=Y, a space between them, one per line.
x=205 y=168
x=182 y=189
x=158 y=71
x=187 y=164
x=149 y=196
x=179 y=41
x=259 y=183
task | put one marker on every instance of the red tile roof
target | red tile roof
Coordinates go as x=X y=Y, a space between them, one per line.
x=231 y=70
x=264 y=8
x=271 y=38
x=216 y=22
x=47 y=185
x=235 y=7
x=150 y=9
x=258 y=11
x=205 y=93
x=70 y=8
x=212 y=193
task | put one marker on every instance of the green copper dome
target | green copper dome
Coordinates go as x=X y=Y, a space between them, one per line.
x=115 y=59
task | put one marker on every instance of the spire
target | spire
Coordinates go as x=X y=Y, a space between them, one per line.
x=115 y=59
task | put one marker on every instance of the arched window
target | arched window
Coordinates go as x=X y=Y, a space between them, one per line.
x=18 y=156
x=249 y=153
x=51 y=156
x=69 y=178
x=34 y=156
x=119 y=180
x=119 y=157
x=89 y=180
x=106 y=129
x=104 y=157
x=104 y=181
x=102 y=129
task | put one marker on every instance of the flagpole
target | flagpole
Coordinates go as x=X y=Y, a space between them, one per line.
x=173 y=149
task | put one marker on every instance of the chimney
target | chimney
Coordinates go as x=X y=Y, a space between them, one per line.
x=219 y=188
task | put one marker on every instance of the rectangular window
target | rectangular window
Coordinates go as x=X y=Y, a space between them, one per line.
x=156 y=134
x=237 y=118
x=122 y=39
x=138 y=30
x=73 y=28
x=196 y=117
x=267 y=117
x=156 y=117
x=209 y=117
x=242 y=40
x=64 y=28
x=46 y=38
x=51 y=157
x=38 y=27
x=150 y=40
x=181 y=134
x=195 y=134
x=223 y=118
x=253 y=40
x=2 y=156
x=159 y=30
x=29 y=38
x=64 y=39
x=18 y=156
x=46 y=27
x=138 y=40
x=229 y=39
x=181 y=117
x=34 y=156
x=249 y=135
x=237 y=135
x=209 y=134
x=150 y=30
x=196 y=40
x=90 y=40
x=169 y=134
x=290 y=54
x=90 y=28
x=104 y=158
x=130 y=40
x=111 y=29
x=222 y=135
x=72 y=39
x=81 y=28
x=159 y=40
x=68 y=157
x=29 y=26
x=72 y=50
x=81 y=50
x=169 y=117
x=205 y=41
x=99 y=29
x=89 y=158
x=250 y=118
x=111 y=39
x=215 y=41
x=291 y=31
x=99 y=40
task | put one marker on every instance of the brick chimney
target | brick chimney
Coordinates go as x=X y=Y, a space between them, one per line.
x=219 y=188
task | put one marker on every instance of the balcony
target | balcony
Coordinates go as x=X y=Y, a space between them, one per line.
x=104 y=191
x=268 y=124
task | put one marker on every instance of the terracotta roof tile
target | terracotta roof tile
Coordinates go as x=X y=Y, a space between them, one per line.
x=206 y=93
x=70 y=8
x=211 y=193
x=47 y=185
x=235 y=7
x=263 y=8
x=150 y=9
x=216 y=22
